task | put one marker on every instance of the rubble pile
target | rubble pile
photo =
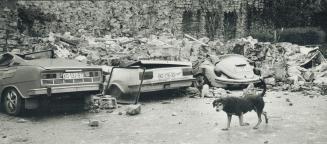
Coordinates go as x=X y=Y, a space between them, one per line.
x=293 y=67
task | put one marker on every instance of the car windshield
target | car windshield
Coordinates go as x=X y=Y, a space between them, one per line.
x=38 y=55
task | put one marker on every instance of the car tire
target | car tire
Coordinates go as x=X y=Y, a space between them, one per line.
x=12 y=102
x=200 y=81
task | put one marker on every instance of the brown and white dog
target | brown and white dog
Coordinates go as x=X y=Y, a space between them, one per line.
x=240 y=105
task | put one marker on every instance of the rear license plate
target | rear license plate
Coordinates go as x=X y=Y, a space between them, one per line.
x=72 y=75
x=168 y=74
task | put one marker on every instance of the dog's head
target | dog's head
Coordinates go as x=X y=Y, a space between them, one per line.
x=218 y=104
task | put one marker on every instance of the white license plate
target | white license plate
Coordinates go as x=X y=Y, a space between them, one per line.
x=72 y=75
x=168 y=74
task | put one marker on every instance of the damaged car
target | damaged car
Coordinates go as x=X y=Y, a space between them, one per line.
x=229 y=70
x=128 y=80
x=26 y=78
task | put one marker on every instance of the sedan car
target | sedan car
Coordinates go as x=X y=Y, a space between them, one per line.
x=26 y=78
x=230 y=70
x=125 y=82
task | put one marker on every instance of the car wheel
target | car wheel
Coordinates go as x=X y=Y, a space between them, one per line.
x=12 y=102
x=200 y=81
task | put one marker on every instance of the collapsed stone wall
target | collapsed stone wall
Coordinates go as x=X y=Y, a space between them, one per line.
x=9 y=37
x=133 y=18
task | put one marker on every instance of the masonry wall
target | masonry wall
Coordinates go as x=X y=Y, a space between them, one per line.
x=126 y=18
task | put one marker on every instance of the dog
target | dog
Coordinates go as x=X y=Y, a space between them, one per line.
x=240 y=105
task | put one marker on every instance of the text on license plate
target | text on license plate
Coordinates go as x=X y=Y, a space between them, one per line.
x=72 y=75
x=169 y=75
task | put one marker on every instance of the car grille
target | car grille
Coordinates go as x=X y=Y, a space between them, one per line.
x=58 y=78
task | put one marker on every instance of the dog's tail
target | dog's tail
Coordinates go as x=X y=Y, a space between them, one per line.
x=263 y=83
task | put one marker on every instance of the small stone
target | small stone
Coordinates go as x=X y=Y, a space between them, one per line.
x=133 y=109
x=266 y=142
x=166 y=102
x=216 y=123
x=93 y=123
x=120 y=113
x=311 y=96
x=278 y=97
x=179 y=122
x=288 y=100
x=21 y=121
x=290 y=104
x=110 y=111
x=4 y=136
x=174 y=114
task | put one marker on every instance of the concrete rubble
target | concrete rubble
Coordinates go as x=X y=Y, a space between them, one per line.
x=294 y=67
x=133 y=109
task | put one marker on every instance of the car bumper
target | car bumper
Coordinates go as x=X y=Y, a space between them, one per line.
x=237 y=81
x=68 y=89
x=156 y=86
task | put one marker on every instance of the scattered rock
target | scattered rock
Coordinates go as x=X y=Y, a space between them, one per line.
x=93 y=123
x=133 y=109
x=109 y=111
x=288 y=100
x=205 y=91
x=166 y=102
x=21 y=121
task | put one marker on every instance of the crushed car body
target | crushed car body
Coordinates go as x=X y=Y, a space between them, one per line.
x=27 y=77
x=231 y=69
x=146 y=76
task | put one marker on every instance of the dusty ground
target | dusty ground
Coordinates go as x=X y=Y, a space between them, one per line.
x=183 y=121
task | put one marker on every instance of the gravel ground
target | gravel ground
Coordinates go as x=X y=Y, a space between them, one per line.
x=174 y=120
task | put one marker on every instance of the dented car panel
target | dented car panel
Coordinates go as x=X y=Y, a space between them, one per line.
x=158 y=75
x=231 y=69
x=32 y=78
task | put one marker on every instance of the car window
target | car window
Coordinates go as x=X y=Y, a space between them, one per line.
x=5 y=59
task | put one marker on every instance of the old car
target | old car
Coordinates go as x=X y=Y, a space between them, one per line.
x=229 y=70
x=25 y=78
x=126 y=81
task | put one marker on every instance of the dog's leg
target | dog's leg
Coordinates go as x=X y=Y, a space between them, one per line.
x=241 y=120
x=259 y=120
x=229 y=119
x=266 y=118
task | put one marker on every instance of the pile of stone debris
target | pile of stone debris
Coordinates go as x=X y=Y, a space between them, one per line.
x=293 y=67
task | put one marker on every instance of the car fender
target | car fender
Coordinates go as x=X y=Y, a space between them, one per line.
x=7 y=87
x=120 y=85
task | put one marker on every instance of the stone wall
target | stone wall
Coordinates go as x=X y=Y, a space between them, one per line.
x=9 y=37
x=131 y=18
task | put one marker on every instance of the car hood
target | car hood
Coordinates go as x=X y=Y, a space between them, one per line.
x=58 y=63
x=235 y=67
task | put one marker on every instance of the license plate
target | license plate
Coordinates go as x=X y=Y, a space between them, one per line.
x=168 y=74
x=72 y=75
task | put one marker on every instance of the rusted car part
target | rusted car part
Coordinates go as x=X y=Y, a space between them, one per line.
x=231 y=69
x=27 y=78
x=127 y=82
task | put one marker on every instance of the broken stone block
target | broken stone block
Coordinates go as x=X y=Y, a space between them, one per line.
x=205 y=91
x=108 y=102
x=133 y=109
x=93 y=123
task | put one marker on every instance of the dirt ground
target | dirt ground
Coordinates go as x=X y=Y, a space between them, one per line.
x=175 y=120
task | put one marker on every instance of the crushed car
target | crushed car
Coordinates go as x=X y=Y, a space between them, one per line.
x=128 y=80
x=229 y=70
x=25 y=78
